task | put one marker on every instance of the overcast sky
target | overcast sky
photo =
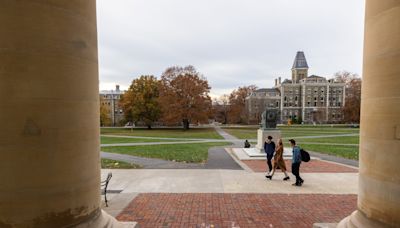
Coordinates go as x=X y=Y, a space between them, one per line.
x=231 y=42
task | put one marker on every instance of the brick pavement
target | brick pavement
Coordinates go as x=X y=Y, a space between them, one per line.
x=313 y=166
x=236 y=210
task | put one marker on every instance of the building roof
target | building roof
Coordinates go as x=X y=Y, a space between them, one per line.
x=266 y=90
x=300 y=61
x=287 y=81
x=315 y=76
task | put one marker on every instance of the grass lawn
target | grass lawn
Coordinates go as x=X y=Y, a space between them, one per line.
x=196 y=153
x=202 y=133
x=112 y=164
x=345 y=151
x=287 y=132
x=112 y=140
x=350 y=152
x=339 y=139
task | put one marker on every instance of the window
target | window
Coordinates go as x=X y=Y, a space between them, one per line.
x=295 y=98
x=315 y=103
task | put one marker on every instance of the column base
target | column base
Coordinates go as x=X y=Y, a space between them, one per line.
x=357 y=219
x=104 y=220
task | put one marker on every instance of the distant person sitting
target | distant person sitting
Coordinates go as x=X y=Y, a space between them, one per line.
x=246 y=144
x=269 y=148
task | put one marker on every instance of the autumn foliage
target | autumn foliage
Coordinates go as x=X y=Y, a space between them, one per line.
x=184 y=96
x=352 y=106
x=140 y=102
x=237 y=100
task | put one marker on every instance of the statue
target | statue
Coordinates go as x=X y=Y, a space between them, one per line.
x=269 y=119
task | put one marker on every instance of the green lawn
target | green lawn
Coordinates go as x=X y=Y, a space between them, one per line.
x=112 y=140
x=112 y=164
x=341 y=140
x=196 y=153
x=251 y=133
x=350 y=152
x=346 y=151
x=203 y=133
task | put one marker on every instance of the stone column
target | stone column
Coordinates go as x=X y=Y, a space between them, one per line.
x=49 y=115
x=379 y=178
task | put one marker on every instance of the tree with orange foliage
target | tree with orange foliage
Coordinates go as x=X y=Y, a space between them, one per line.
x=352 y=106
x=237 y=101
x=140 y=102
x=184 y=96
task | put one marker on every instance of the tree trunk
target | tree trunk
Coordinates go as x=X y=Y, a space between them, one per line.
x=149 y=127
x=185 y=124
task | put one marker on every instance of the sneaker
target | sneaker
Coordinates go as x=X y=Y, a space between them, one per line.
x=297 y=184
x=269 y=177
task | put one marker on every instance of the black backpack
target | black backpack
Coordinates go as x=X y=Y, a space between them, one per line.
x=305 y=156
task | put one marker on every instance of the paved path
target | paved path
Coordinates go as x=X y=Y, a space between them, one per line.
x=155 y=210
x=228 y=137
x=226 y=181
x=218 y=158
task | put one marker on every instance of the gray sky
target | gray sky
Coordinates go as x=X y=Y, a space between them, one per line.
x=232 y=42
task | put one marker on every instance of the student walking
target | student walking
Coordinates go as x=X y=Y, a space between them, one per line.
x=278 y=161
x=296 y=161
x=269 y=148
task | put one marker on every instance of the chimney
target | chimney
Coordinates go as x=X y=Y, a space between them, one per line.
x=276 y=82
x=117 y=88
x=279 y=80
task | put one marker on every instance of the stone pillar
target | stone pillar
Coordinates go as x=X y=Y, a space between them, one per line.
x=49 y=115
x=379 y=178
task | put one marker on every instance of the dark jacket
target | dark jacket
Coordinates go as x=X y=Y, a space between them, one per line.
x=269 y=148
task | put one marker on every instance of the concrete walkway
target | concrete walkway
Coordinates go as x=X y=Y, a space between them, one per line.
x=226 y=181
x=229 y=137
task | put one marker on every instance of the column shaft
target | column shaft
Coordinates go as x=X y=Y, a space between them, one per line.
x=379 y=180
x=49 y=138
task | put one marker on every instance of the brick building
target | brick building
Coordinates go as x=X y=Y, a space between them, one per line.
x=308 y=99
x=111 y=99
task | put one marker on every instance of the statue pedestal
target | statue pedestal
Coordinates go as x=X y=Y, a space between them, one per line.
x=262 y=137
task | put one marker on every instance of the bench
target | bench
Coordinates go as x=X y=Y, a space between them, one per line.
x=105 y=185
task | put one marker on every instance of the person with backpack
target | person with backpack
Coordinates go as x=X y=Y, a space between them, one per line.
x=278 y=161
x=269 y=148
x=296 y=161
